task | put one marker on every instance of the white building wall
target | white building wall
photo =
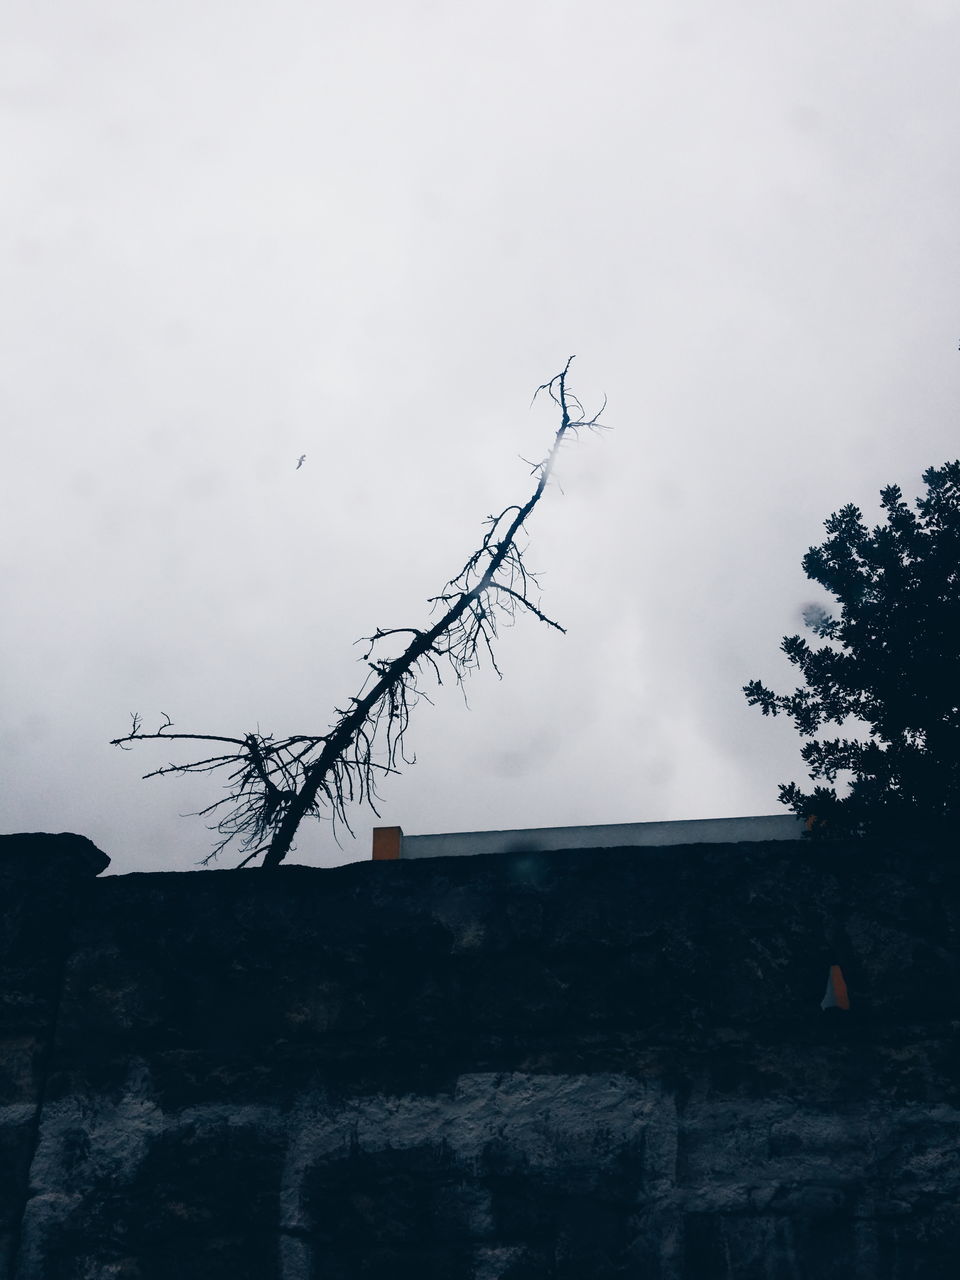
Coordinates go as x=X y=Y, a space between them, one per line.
x=617 y=835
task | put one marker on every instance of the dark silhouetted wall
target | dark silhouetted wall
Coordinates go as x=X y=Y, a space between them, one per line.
x=570 y=1065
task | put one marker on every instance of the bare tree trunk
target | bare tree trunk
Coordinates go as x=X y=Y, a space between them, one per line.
x=276 y=784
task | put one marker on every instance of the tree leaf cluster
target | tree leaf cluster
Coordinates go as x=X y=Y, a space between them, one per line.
x=890 y=664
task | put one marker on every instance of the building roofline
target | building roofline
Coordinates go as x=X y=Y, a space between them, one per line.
x=390 y=843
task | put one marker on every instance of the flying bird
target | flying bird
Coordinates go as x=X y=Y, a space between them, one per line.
x=300 y=461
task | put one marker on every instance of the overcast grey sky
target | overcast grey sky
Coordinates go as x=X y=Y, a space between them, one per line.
x=234 y=233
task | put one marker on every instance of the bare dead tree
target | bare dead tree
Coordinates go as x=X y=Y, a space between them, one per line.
x=273 y=784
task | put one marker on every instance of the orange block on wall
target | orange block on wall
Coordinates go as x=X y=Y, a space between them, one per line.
x=386 y=843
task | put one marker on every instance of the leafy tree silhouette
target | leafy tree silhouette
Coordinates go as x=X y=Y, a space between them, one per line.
x=893 y=665
x=273 y=784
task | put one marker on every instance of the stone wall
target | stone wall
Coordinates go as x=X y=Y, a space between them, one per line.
x=566 y=1065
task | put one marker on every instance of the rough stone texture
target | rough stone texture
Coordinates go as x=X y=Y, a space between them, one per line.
x=553 y=1066
x=39 y=876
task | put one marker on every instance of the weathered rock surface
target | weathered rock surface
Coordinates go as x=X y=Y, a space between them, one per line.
x=604 y=1064
x=39 y=875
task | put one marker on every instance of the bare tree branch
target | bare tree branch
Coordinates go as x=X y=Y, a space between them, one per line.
x=273 y=784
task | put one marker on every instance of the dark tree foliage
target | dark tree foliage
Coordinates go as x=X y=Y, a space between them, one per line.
x=892 y=664
x=274 y=783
